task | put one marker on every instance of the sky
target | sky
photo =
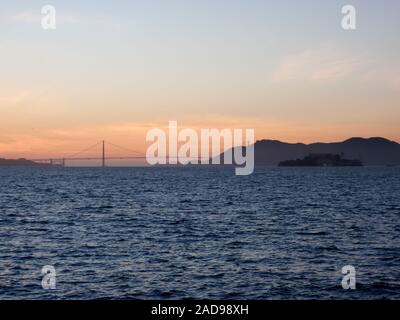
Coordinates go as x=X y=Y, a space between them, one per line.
x=115 y=69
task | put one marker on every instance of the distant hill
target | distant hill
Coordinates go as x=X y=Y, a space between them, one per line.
x=371 y=151
x=18 y=162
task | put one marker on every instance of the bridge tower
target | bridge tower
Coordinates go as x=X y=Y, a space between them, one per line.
x=103 y=156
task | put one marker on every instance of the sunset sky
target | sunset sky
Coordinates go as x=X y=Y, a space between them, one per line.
x=115 y=69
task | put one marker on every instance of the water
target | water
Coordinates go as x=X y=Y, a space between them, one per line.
x=169 y=233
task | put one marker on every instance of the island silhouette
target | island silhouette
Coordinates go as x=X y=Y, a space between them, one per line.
x=322 y=160
x=374 y=151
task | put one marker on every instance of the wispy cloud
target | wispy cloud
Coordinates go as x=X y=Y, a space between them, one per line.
x=15 y=98
x=384 y=76
x=6 y=140
x=325 y=63
x=25 y=17
x=63 y=18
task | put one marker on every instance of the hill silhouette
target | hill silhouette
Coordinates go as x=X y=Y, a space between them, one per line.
x=18 y=163
x=371 y=151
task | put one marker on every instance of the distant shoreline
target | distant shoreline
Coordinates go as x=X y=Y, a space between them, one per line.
x=259 y=166
x=20 y=163
x=375 y=151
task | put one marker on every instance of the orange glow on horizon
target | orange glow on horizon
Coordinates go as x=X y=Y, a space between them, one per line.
x=63 y=143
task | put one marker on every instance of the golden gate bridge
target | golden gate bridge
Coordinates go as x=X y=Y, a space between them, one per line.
x=136 y=155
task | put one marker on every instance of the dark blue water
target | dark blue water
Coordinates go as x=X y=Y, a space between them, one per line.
x=168 y=233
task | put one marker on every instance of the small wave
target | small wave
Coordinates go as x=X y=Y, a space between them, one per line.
x=312 y=233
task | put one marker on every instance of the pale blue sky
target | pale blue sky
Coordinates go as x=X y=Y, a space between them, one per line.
x=287 y=64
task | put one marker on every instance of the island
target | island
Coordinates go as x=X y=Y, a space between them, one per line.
x=322 y=160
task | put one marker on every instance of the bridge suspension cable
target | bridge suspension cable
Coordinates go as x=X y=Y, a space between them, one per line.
x=123 y=148
x=84 y=150
x=77 y=156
